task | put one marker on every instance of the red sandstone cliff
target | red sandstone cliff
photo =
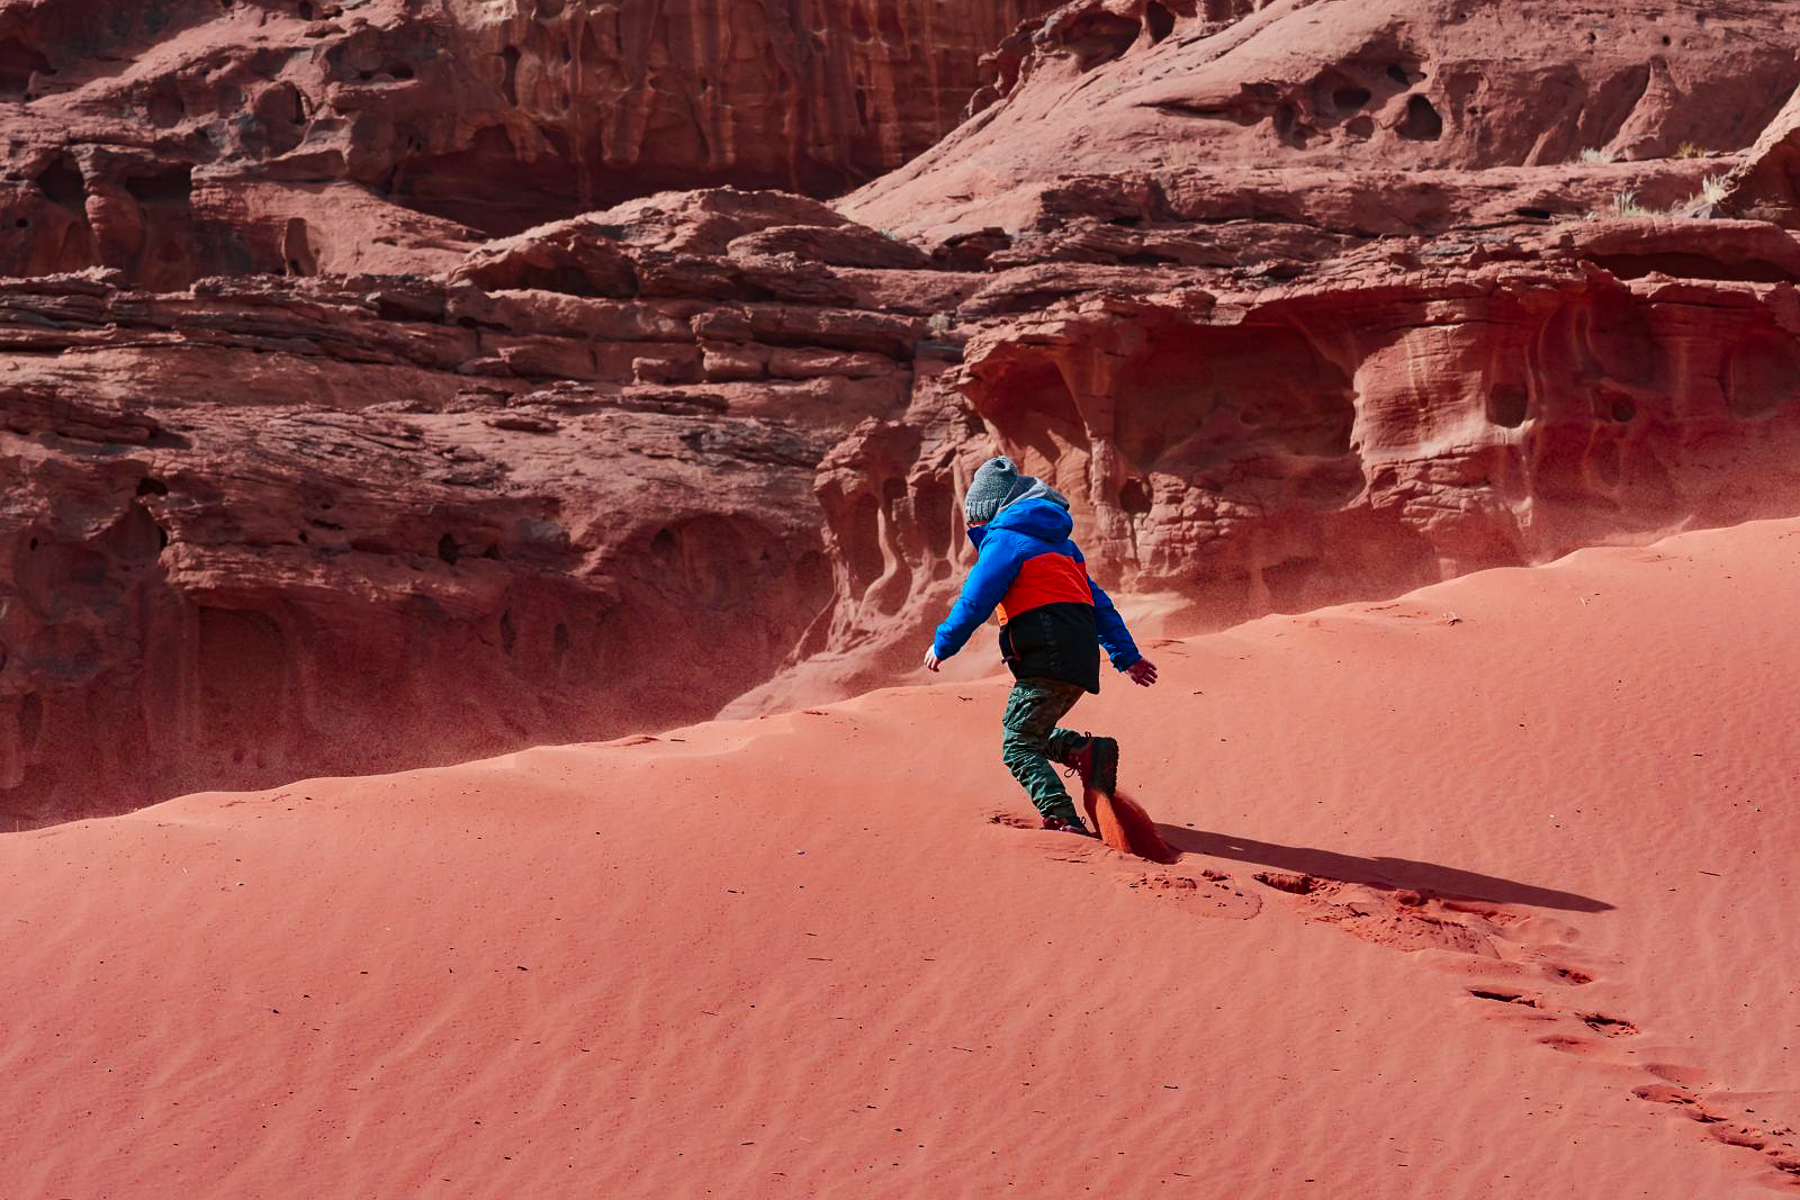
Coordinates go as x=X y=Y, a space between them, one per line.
x=185 y=138
x=457 y=493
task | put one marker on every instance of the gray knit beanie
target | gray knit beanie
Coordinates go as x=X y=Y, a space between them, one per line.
x=998 y=483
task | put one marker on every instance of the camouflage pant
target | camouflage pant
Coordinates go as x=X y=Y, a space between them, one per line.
x=1032 y=742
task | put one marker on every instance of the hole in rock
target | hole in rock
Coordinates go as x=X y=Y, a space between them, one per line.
x=447 y=550
x=1688 y=265
x=1286 y=117
x=663 y=543
x=61 y=181
x=306 y=10
x=1159 y=21
x=1349 y=99
x=296 y=249
x=173 y=186
x=1134 y=497
x=151 y=486
x=1665 y=39
x=22 y=223
x=1422 y=122
x=509 y=81
x=1507 y=405
x=1622 y=409
x=1533 y=214
x=1398 y=74
x=18 y=63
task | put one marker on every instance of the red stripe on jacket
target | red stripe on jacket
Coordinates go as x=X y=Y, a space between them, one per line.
x=1048 y=578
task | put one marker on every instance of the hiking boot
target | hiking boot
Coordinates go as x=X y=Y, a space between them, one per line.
x=1097 y=762
x=1065 y=825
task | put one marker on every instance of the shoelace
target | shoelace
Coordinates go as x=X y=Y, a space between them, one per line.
x=1070 y=771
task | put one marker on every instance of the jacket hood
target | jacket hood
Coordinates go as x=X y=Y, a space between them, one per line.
x=1045 y=520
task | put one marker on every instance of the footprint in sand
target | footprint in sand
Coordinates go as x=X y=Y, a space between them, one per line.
x=1402 y=919
x=1777 y=1147
x=1528 y=944
x=1210 y=894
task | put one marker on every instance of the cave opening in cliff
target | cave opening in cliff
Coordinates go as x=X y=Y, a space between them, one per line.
x=1158 y=20
x=19 y=64
x=172 y=185
x=62 y=182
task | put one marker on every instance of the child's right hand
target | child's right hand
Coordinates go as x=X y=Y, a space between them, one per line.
x=931 y=659
x=1142 y=672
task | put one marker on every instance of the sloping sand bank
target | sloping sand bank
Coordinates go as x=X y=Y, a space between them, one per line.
x=1526 y=929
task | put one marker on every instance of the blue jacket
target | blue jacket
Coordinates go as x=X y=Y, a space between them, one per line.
x=1053 y=617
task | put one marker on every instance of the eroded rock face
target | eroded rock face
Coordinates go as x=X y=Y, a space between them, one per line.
x=266 y=528
x=397 y=482
x=1305 y=301
x=1171 y=87
x=263 y=528
x=1767 y=185
x=185 y=138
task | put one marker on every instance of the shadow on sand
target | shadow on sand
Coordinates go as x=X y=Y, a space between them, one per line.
x=1447 y=882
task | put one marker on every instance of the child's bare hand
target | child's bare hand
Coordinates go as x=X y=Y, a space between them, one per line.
x=1142 y=672
x=931 y=659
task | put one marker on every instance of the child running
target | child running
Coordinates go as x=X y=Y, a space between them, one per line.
x=1053 y=619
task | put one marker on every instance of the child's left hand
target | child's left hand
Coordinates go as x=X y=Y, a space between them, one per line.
x=1142 y=672
x=931 y=659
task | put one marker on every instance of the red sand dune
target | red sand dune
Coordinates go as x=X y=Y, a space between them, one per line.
x=1486 y=892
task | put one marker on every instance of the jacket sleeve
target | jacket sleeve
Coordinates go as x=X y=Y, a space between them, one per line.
x=1113 y=635
x=1115 y=639
x=985 y=587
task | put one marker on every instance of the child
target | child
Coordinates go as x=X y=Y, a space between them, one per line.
x=1051 y=617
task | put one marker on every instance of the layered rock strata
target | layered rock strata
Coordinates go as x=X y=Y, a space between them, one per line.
x=380 y=489
x=187 y=138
